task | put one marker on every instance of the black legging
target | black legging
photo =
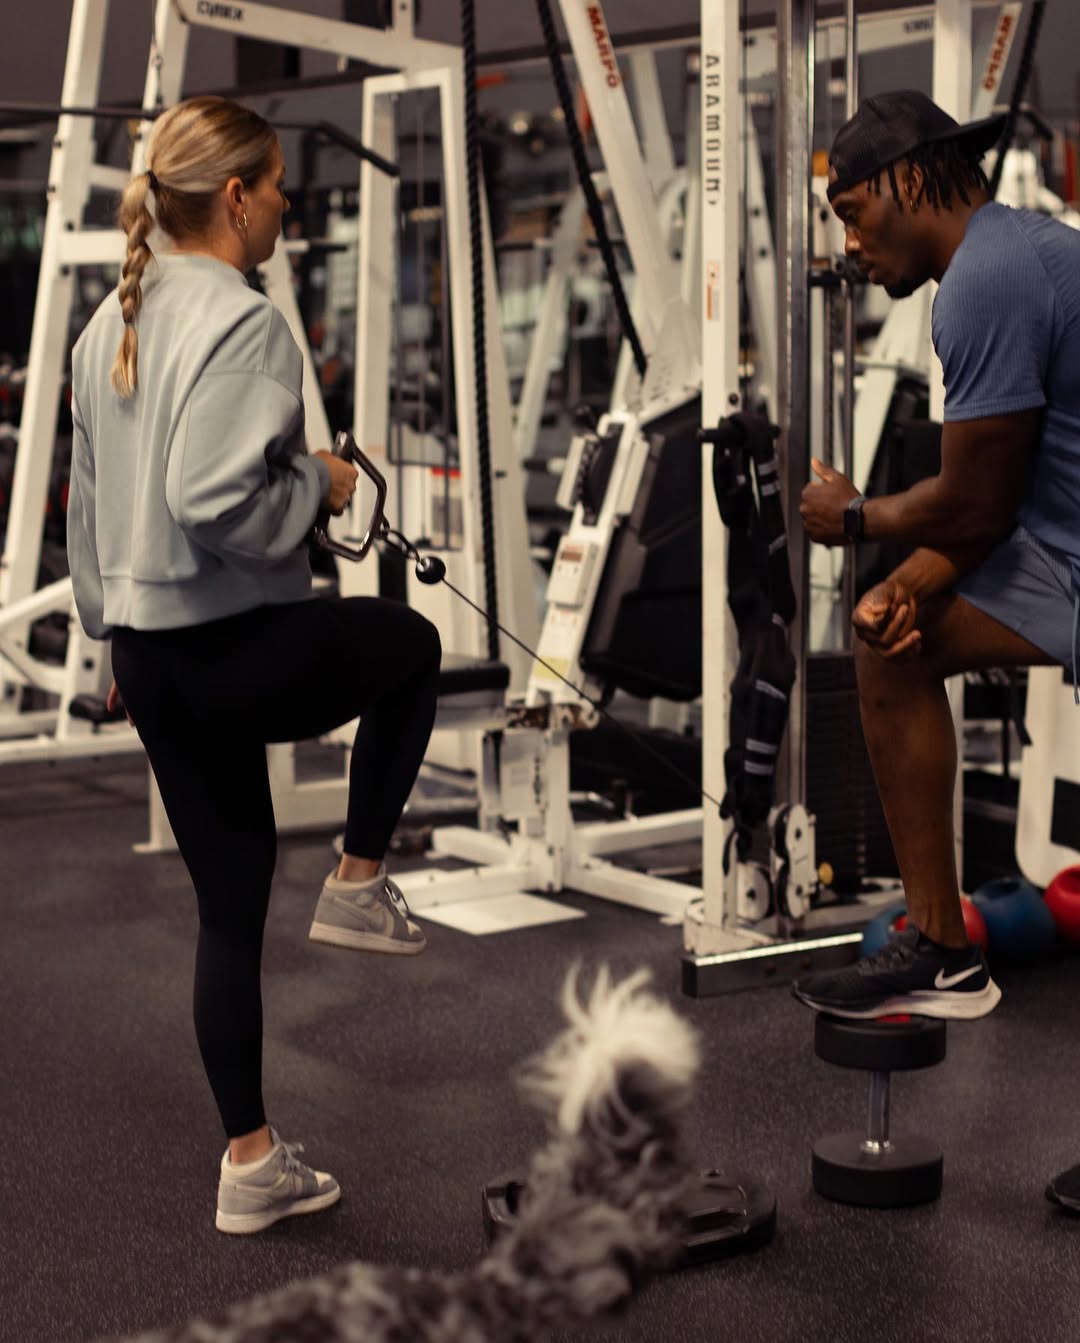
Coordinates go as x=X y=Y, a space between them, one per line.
x=205 y=700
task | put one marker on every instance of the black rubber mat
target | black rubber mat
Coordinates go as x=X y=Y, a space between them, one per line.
x=396 y=1074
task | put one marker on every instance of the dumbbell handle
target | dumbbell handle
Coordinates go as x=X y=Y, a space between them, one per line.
x=877 y=1132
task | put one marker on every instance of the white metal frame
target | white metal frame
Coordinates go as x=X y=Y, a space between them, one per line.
x=438 y=67
x=66 y=245
x=1053 y=721
x=711 y=924
x=46 y=734
x=550 y=325
x=373 y=373
x=529 y=785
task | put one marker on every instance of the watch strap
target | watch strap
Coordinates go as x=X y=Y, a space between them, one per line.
x=854 y=522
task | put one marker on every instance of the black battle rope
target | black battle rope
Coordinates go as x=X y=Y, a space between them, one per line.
x=476 y=247
x=1023 y=74
x=592 y=199
x=431 y=570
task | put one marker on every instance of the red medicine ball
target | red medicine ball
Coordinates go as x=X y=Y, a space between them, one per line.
x=1063 y=901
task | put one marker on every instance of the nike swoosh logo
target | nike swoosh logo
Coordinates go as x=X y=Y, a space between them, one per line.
x=373 y=918
x=944 y=981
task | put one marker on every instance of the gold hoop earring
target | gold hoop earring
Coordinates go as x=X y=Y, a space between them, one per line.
x=914 y=205
x=242 y=228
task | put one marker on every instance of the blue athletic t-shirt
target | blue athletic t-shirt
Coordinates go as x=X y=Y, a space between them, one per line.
x=1006 y=327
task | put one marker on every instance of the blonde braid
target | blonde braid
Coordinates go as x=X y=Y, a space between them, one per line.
x=137 y=222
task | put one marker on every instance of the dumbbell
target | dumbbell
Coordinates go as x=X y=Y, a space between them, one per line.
x=878 y=1169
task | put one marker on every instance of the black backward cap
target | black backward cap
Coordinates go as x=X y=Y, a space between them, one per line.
x=891 y=126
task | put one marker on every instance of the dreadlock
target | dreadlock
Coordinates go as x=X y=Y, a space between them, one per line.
x=947 y=167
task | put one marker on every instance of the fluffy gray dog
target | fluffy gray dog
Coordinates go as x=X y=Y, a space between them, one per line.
x=600 y=1208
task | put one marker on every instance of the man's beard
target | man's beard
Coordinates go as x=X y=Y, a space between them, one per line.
x=904 y=287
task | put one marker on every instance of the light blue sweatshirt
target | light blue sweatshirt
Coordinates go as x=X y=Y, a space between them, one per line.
x=192 y=500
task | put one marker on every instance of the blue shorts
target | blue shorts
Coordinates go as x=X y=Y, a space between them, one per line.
x=1028 y=588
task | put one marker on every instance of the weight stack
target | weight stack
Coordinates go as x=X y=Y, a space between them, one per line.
x=851 y=835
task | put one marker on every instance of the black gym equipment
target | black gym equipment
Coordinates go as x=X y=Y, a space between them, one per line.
x=878 y=1169
x=724 y=1215
x=644 y=634
x=762 y=600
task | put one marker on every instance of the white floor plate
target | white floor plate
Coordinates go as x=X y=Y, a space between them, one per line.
x=499 y=914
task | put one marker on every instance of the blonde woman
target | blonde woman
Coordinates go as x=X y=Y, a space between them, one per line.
x=192 y=498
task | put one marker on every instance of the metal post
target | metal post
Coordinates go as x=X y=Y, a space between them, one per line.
x=69 y=189
x=795 y=102
x=760 y=261
x=953 y=60
x=877 y=1133
x=598 y=69
x=550 y=324
x=851 y=74
x=828 y=382
x=718 y=313
x=656 y=144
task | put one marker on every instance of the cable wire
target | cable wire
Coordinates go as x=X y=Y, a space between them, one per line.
x=398 y=542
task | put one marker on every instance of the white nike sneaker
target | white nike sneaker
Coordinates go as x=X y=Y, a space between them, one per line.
x=909 y=974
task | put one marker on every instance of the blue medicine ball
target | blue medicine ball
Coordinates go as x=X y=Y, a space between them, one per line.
x=1019 y=924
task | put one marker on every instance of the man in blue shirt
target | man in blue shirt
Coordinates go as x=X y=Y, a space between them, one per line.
x=995 y=579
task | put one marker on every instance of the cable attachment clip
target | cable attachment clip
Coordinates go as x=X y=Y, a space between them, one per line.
x=794 y=863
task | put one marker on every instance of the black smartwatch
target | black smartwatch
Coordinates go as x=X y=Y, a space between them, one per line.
x=854 y=527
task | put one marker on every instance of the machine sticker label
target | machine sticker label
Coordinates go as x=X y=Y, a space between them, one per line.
x=712 y=120
x=209 y=10
x=558 y=641
x=714 y=307
x=999 y=48
x=603 y=46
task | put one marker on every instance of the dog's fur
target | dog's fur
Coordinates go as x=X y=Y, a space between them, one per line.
x=600 y=1208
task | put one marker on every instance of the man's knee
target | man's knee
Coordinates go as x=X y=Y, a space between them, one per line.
x=881 y=680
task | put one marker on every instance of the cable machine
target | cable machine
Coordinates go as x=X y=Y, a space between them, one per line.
x=816 y=933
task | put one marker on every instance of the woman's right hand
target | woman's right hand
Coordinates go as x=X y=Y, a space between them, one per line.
x=342 y=482
x=114 y=702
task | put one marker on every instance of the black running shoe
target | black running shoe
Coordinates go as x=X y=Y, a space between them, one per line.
x=1064 y=1189
x=909 y=974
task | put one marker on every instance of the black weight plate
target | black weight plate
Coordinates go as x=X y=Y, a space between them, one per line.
x=879 y=1046
x=909 y=1171
x=728 y=1215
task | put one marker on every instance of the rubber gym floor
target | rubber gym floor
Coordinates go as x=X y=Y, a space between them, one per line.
x=396 y=1075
